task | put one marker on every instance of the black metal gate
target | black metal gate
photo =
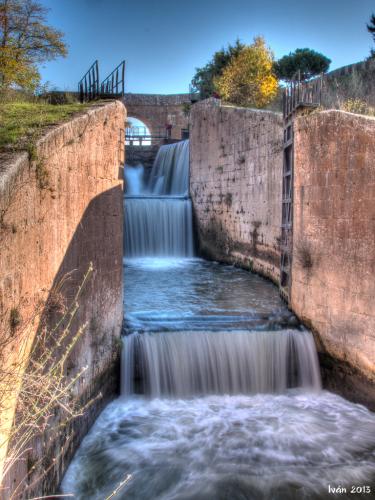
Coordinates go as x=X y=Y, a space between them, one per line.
x=112 y=87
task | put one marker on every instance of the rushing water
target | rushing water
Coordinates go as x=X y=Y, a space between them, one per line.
x=279 y=447
x=221 y=393
x=183 y=364
x=158 y=216
x=170 y=173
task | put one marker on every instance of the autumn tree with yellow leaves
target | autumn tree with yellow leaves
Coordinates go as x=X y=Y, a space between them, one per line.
x=25 y=41
x=248 y=79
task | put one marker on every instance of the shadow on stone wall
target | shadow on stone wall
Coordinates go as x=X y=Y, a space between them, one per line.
x=97 y=240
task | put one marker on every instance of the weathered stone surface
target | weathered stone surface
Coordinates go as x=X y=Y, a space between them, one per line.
x=235 y=184
x=333 y=286
x=61 y=211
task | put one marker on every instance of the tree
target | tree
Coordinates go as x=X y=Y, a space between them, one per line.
x=371 y=30
x=25 y=41
x=308 y=62
x=248 y=79
x=203 y=80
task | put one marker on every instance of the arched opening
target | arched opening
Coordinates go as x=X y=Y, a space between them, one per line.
x=137 y=133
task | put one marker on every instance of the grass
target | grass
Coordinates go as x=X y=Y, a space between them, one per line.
x=20 y=121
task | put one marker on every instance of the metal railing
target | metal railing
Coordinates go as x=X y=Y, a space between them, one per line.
x=140 y=136
x=299 y=94
x=114 y=84
x=139 y=130
x=88 y=86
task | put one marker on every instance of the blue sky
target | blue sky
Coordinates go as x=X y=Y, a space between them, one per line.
x=164 y=41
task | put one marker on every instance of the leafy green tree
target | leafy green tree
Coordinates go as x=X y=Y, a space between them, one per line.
x=203 y=80
x=248 y=79
x=25 y=41
x=371 y=30
x=308 y=62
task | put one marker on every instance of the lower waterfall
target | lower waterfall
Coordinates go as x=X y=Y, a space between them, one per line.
x=185 y=364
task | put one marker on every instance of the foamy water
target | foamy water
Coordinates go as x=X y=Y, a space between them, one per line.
x=280 y=447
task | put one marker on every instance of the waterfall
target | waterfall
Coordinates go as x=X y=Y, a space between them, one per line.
x=184 y=364
x=170 y=172
x=158 y=223
x=158 y=217
x=161 y=226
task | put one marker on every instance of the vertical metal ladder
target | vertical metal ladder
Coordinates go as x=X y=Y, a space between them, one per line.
x=298 y=95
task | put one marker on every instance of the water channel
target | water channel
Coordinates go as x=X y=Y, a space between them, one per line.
x=221 y=395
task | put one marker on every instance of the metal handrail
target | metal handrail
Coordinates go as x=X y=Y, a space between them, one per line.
x=141 y=131
x=114 y=84
x=301 y=93
x=88 y=86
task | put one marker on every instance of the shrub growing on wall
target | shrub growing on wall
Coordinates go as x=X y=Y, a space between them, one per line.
x=203 y=80
x=249 y=80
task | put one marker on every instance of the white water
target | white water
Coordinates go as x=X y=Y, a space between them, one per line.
x=185 y=364
x=170 y=173
x=262 y=447
x=158 y=217
x=134 y=180
x=160 y=227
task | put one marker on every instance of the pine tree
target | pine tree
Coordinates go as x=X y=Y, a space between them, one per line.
x=371 y=30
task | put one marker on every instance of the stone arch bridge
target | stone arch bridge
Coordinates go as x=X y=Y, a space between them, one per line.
x=158 y=110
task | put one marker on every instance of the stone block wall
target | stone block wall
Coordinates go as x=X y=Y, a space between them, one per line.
x=62 y=208
x=333 y=286
x=235 y=185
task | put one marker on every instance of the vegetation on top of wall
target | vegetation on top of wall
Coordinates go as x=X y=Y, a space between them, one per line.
x=247 y=75
x=358 y=106
x=21 y=120
x=248 y=79
x=203 y=80
x=346 y=89
x=26 y=41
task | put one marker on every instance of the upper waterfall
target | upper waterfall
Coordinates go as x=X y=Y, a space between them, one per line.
x=170 y=172
x=158 y=214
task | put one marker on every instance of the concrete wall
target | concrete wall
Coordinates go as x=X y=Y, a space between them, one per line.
x=333 y=286
x=157 y=110
x=236 y=180
x=60 y=211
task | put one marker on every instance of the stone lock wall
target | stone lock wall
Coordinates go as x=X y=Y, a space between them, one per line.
x=61 y=209
x=333 y=286
x=235 y=185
